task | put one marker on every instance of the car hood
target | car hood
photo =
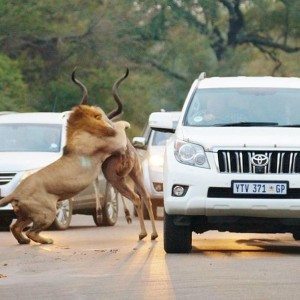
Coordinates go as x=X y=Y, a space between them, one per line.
x=223 y=137
x=20 y=161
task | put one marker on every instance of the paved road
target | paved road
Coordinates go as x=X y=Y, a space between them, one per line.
x=109 y=263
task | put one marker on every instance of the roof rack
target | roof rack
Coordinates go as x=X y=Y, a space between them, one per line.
x=202 y=76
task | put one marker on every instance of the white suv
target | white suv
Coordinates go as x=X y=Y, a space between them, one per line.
x=234 y=161
x=31 y=141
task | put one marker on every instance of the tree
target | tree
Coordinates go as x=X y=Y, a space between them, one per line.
x=166 y=44
x=13 y=90
x=269 y=26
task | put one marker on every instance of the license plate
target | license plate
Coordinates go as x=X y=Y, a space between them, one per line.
x=260 y=188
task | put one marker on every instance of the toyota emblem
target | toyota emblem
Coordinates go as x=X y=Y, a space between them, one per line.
x=259 y=160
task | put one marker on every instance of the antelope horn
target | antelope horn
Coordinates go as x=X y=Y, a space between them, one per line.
x=84 y=99
x=116 y=96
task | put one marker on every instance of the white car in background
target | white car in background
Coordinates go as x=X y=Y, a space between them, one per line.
x=31 y=141
x=152 y=148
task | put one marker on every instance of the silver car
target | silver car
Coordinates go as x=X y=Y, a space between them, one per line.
x=30 y=141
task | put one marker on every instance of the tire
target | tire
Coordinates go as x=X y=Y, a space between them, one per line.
x=5 y=222
x=63 y=215
x=110 y=208
x=296 y=235
x=177 y=239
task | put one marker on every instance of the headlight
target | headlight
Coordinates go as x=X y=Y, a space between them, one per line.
x=190 y=154
x=28 y=173
x=156 y=161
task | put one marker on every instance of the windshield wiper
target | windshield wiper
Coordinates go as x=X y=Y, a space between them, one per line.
x=247 y=124
x=290 y=125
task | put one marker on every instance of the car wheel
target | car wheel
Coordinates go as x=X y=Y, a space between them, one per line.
x=63 y=215
x=296 y=235
x=110 y=208
x=5 y=222
x=177 y=239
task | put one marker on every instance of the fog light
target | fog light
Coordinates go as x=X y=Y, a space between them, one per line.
x=178 y=190
x=158 y=186
x=200 y=159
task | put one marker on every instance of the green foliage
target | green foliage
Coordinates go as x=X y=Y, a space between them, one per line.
x=13 y=91
x=165 y=43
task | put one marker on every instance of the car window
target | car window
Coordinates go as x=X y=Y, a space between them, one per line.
x=220 y=106
x=160 y=138
x=30 y=137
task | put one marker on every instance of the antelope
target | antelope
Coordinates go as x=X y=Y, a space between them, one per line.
x=91 y=138
x=124 y=172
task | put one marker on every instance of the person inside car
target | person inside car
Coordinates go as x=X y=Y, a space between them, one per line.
x=213 y=111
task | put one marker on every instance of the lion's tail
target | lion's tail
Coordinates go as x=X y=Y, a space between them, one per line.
x=6 y=200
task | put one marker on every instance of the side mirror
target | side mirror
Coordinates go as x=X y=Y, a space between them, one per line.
x=164 y=121
x=139 y=142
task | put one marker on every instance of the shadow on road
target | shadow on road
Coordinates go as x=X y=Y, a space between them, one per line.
x=248 y=245
x=81 y=227
x=273 y=245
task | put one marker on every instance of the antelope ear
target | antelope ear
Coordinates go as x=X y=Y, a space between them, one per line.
x=122 y=124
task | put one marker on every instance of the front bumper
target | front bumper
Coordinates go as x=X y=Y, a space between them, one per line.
x=153 y=175
x=197 y=201
x=8 y=188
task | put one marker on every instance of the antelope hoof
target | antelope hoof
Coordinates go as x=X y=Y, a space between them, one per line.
x=128 y=219
x=154 y=236
x=24 y=241
x=47 y=241
x=142 y=235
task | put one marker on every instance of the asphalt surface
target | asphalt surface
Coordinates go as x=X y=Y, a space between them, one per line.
x=87 y=262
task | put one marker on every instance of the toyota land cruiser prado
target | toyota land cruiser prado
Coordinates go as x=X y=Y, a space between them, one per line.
x=233 y=163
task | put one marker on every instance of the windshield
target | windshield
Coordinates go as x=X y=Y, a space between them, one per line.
x=30 y=137
x=263 y=106
x=160 y=138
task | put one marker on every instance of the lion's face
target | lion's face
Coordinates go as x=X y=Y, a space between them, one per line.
x=86 y=126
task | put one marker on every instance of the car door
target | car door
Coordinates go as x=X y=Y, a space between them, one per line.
x=85 y=201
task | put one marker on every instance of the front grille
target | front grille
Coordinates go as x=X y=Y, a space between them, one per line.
x=6 y=177
x=239 y=161
x=221 y=192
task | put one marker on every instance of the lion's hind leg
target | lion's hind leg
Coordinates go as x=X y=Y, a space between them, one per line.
x=18 y=227
x=41 y=221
